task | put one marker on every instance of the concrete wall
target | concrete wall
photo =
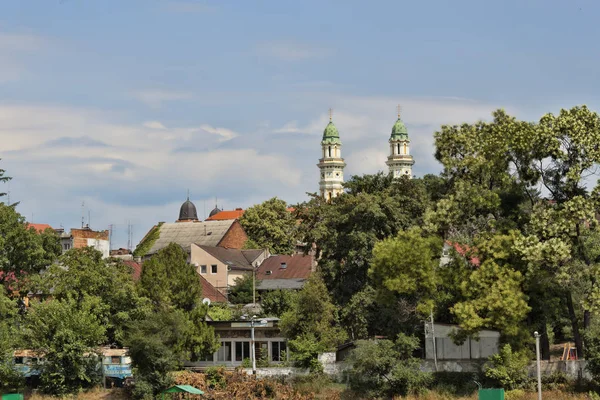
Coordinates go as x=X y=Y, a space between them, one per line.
x=472 y=349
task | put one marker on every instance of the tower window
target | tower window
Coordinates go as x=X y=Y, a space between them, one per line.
x=329 y=151
x=398 y=148
x=405 y=149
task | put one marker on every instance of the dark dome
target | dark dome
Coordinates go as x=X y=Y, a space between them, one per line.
x=215 y=211
x=188 y=211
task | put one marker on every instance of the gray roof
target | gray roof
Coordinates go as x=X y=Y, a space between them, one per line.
x=206 y=233
x=235 y=258
x=286 y=284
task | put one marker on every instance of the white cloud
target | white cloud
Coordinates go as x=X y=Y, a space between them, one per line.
x=14 y=48
x=224 y=133
x=290 y=50
x=155 y=98
x=154 y=125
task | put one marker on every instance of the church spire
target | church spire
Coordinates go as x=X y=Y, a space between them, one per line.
x=400 y=161
x=331 y=165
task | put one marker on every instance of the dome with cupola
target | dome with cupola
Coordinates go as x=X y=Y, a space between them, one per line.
x=187 y=212
x=331 y=134
x=399 y=131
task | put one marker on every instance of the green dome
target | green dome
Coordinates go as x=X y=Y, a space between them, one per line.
x=399 y=131
x=331 y=134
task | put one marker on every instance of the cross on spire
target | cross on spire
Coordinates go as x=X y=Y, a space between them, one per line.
x=399 y=110
x=330 y=114
x=188 y=194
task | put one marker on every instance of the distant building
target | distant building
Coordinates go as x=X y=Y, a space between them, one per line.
x=220 y=215
x=485 y=345
x=285 y=272
x=188 y=230
x=210 y=292
x=39 y=228
x=85 y=237
x=221 y=266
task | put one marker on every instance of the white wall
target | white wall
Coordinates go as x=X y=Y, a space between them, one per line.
x=101 y=245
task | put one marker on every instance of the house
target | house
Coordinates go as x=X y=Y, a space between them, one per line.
x=211 y=293
x=485 y=345
x=460 y=249
x=222 y=266
x=269 y=344
x=285 y=272
x=39 y=228
x=85 y=237
x=188 y=230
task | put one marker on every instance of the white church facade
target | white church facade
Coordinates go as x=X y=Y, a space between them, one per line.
x=331 y=164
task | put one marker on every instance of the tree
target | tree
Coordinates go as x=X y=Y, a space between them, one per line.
x=84 y=273
x=242 y=291
x=3 y=179
x=346 y=229
x=22 y=250
x=386 y=368
x=407 y=265
x=10 y=378
x=158 y=343
x=169 y=281
x=311 y=323
x=508 y=369
x=276 y=302
x=67 y=334
x=271 y=226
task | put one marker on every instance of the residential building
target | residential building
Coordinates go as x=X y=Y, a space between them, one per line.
x=269 y=344
x=85 y=237
x=331 y=165
x=285 y=272
x=122 y=254
x=222 y=266
x=211 y=293
x=39 y=228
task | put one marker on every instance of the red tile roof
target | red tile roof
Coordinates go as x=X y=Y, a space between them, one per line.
x=227 y=214
x=136 y=269
x=234 y=214
x=298 y=266
x=39 y=227
x=210 y=292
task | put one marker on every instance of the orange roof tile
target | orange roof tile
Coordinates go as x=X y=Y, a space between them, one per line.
x=210 y=292
x=226 y=214
x=39 y=227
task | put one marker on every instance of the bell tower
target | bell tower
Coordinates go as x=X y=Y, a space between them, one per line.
x=400 y=161
x=331 y=164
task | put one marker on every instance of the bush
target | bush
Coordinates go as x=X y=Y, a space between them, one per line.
x=508 y=369
x=215 y=377
x=386 y=368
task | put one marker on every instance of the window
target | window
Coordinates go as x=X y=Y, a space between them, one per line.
x=278 y=351
x=115 y=360
x=269 y=272
x=213 y=269
x=209 y=357
x=329 y=151
x=283 y=265
x=224 y=352
x=203 y=269
x=18 y=360
x=242 y=350
x=398 y=148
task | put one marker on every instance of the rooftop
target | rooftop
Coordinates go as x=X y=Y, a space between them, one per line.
x=206 y=233
x=235 y=258
x=297 y=266
x=210 y=292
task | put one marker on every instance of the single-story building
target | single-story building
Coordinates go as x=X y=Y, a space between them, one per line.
x=472 y=349
x=270 y=346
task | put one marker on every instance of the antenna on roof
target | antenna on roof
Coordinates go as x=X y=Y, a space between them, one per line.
x=110 y=234
x=399 y=110
x=330 y=115
x=89 y=218
x=82 y=213
x=188 y=194
x=128 y=235
x=205 y=209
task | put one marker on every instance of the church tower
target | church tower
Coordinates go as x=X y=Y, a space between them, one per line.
x=400 y=161
x=332 y=164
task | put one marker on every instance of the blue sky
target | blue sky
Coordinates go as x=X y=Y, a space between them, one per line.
x=125 y=104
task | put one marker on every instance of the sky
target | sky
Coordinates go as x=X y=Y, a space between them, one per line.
x=125 y=105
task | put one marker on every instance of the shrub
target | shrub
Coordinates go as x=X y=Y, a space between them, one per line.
x=507 y=368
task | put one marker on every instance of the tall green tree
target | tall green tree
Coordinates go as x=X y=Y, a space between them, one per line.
x=242 y=291
x=22 y=250
x=3 y=179
x=311 y=324
x=346 y=229
x=84 y=273
x=270 y=225
x=68 y=334
x=169 y=281
x=10 y=378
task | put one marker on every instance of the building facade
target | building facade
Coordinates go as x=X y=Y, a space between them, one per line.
x=331 y=164
x=85 y=237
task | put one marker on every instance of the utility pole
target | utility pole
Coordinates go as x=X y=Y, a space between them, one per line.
x=110 y=234
x=433 y=339
x=537 y=356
